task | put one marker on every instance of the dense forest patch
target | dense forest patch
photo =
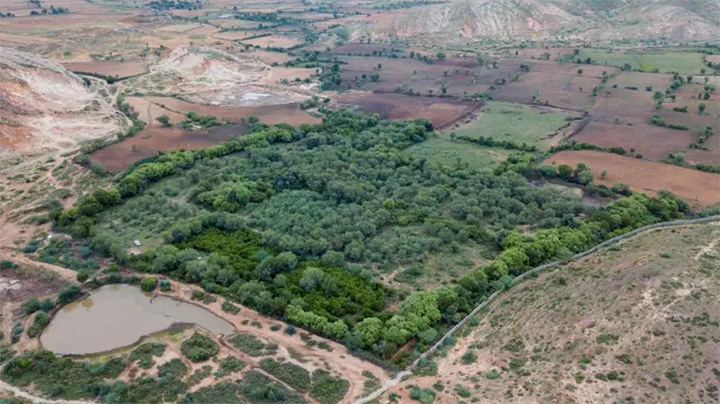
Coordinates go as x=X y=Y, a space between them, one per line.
x=299 y=223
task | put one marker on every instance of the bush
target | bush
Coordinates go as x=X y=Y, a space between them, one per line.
x=248 y=344
x=469 y=357
x=229 y=365
x=69 y=294
x=290 y=373
x=83 y=276
x=290 y=329
x=145 y=352
x=5 y=264
x=31 y=306
x=327 y=389
x=42 y=319
x=199 y=348
x=175 y=369
x=425 y=396
x=148 y=284
x=164 y=285
x=462 y=391
x=230 y=308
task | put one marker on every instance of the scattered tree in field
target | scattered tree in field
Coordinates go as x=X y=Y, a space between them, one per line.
x=440 y=56
x=580 y=71
x=701 y=108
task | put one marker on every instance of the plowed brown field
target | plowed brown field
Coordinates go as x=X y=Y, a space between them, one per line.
x=697 y=187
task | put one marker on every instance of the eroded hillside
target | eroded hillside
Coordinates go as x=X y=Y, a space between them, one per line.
x=43 y=106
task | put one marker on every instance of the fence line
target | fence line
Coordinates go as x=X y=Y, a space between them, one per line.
x=408 y=370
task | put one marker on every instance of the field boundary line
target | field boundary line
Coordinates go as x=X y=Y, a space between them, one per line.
x=408 y=370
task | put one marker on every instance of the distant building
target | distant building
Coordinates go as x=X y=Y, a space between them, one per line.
x=137 y=243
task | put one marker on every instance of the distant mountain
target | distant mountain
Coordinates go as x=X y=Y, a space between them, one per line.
x=593 y=20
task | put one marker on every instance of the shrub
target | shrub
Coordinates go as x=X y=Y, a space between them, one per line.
x=327 y=389
x=42 y=319
x=5 y=264
x=175 y=369
x=607 y=339
x=144 y=353
x=290 y=329
x=229 y=365
x=69 y=294
x=290 y=373
x=199 y=348
x=164 y=285
x=425 y=396
x=462 y=391
x=230 y=308
x=31 y=306
x=83 y=276
x=248 y=344
x=148 y=284
x=469 y=357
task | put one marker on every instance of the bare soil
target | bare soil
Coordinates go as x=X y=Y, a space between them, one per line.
x=442 y=112
x=697 y=187
x=653 y=142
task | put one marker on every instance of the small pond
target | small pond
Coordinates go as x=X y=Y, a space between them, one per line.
x=115 y=316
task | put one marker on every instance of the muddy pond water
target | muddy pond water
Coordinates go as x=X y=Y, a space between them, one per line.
x=115 y=316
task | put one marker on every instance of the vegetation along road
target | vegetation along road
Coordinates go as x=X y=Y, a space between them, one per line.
x=408 y=371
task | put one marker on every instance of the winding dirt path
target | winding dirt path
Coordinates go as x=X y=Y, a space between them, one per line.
x=35 y=399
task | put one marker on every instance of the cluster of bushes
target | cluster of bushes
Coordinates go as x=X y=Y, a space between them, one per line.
x=199 y=348
x=196 y=121
x=144 y=354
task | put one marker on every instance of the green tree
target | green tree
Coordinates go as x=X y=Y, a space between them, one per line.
x=369 y=330
x=440 y=55
x=164 y=121
x=701 y=108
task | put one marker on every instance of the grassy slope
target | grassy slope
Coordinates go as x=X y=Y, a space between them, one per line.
x=442 y=151
x=646 y=310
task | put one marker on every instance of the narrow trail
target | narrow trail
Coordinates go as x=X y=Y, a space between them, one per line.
x=19 y=258
x=35 y=399
x=408 y=371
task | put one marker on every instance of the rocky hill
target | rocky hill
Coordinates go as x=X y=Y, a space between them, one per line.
x=590 y=20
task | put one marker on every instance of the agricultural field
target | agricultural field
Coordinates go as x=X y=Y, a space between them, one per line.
x=292 y=202
x=696 y=187
x=664 y=61
x=538 y=126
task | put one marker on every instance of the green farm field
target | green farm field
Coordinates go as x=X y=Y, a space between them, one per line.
x=446 y=153
x=514 y=122
x=682 y=62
